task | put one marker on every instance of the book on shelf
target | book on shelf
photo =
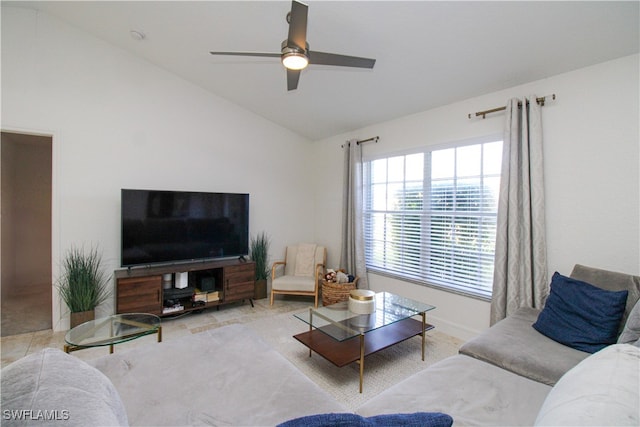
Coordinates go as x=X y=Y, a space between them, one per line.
x=213 y=296
x=172 y=309
x=199 y=296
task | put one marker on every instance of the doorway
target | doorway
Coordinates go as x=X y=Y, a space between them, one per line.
x=25 y=261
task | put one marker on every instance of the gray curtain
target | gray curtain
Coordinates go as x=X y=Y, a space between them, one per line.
x=352 y=250
x=520 y=276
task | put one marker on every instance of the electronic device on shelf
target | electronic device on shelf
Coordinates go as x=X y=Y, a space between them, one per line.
x=179 y=226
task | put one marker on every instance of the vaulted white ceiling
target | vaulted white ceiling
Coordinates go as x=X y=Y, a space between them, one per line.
x=429 y=53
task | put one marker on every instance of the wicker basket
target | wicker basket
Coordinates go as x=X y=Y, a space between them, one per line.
x=333 y=292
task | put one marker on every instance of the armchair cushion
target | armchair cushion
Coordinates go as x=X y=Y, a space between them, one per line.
x=291 y=260
x=305 y=260
x=294 y=283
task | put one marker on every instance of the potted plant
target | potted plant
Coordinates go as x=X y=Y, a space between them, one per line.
x=260 y=255
x=83 y=284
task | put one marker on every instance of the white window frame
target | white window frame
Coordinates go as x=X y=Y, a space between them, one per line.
x=410 y=256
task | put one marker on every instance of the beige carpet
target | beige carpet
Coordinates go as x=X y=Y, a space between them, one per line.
x=277 y=326
x=382 y=370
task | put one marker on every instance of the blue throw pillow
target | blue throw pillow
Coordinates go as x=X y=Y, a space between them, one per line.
x=418 y=419
x=580 y=315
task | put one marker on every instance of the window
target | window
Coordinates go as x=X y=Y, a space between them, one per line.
x=430 y=216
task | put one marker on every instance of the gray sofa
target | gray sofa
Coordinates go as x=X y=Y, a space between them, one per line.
x=509 y=375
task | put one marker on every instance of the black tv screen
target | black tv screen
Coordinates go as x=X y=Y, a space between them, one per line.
x=177 y=226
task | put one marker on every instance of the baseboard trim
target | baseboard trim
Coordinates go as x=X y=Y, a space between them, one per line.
x=454 y=329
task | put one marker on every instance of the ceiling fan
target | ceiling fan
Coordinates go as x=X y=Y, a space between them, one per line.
x=295 y=54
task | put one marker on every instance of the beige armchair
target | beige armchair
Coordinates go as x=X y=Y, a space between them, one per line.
x=301 y=271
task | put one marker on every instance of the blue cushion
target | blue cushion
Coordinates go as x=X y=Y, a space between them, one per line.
x=418 y=419
x=580 y=315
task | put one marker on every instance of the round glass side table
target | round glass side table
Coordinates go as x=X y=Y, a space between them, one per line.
x=112 y=330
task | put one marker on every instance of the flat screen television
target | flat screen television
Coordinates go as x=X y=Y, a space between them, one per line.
x=161 y=227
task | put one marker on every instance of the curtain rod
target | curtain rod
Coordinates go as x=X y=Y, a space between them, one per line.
x=374 y=139
x=540 y=101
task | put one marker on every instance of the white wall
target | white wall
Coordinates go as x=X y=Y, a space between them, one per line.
x=119 y=122
x=592 y=157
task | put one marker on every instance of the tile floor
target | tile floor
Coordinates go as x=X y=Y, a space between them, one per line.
x=26 y=310
x=16 y=346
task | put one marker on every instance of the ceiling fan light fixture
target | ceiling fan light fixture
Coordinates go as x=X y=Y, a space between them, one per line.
x=294 y=50
x=293 y=59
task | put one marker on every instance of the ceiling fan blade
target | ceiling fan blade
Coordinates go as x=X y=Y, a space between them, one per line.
x=292 y=79
x=262 y=54
x=322 y=58
x=298 y=25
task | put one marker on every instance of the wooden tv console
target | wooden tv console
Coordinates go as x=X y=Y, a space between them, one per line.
x=140 y=289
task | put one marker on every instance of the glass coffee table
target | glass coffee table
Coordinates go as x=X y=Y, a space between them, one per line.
x=112 y=330
x=343 y=337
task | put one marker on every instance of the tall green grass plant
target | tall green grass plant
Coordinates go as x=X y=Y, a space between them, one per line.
x=83 y=284
x=260 y=255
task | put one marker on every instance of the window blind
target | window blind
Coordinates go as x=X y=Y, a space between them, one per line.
x=430 y=217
